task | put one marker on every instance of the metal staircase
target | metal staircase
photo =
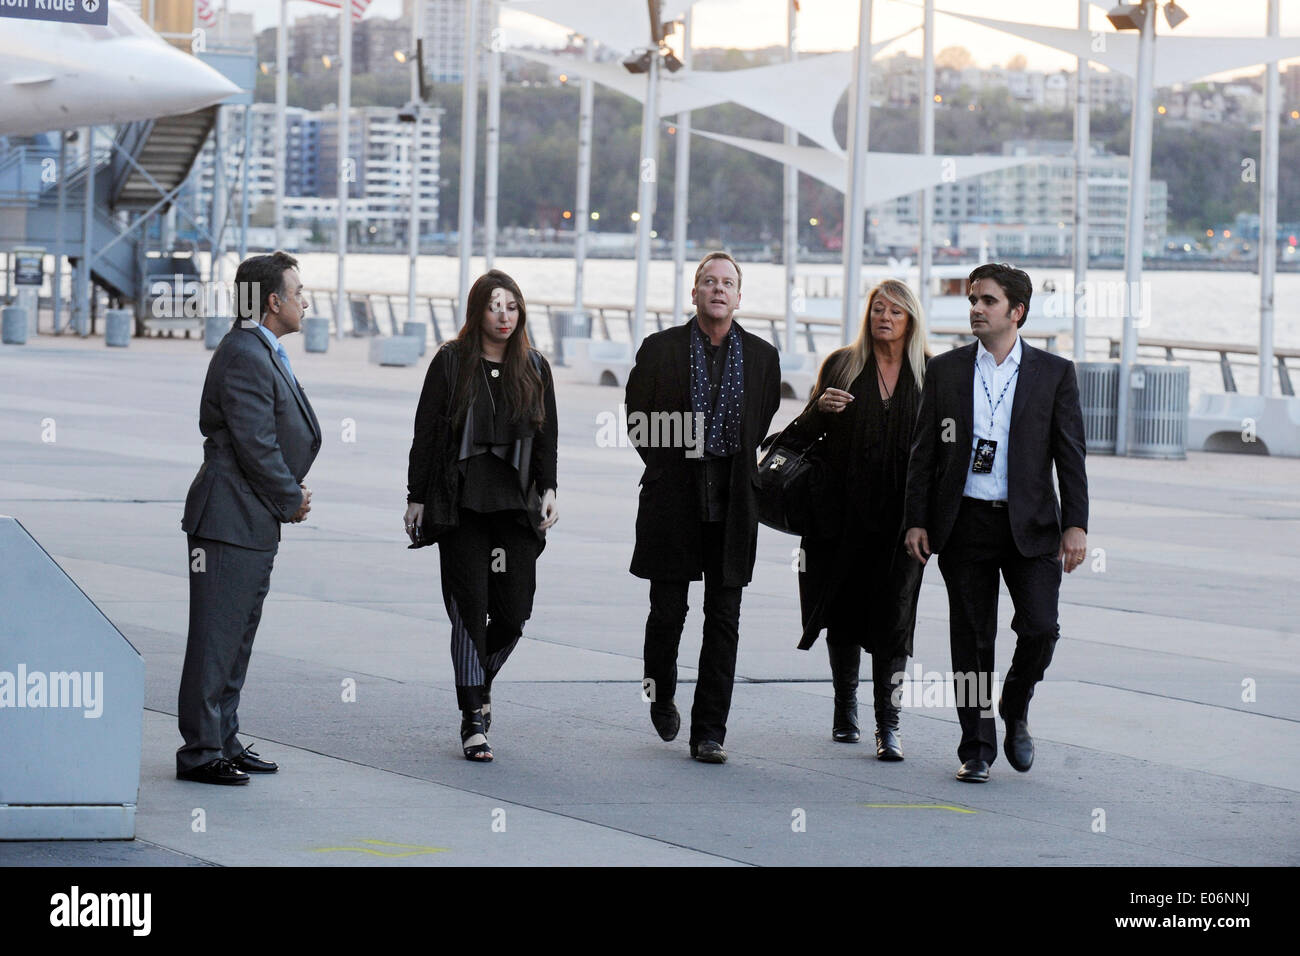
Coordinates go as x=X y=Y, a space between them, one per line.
x=166 y=148
x=161 y=154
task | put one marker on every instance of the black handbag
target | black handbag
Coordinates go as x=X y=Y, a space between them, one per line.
x=783 y=489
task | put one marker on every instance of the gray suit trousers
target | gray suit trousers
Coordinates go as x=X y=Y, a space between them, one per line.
x=225 y=607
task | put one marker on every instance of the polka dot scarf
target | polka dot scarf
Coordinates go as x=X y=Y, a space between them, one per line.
x=721 y=421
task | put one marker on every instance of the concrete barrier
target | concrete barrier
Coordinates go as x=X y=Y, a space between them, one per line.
x=568 y=324
x=1246 y=424
x=798 y=374
x=316 y=334
x=71 y=704
x=117 y=328
x=418 y=331
x=394 y=350
x=13 y=325
x=215 y=328
x=598 y=362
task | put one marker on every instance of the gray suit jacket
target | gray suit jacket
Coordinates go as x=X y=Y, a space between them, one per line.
x=261 y=437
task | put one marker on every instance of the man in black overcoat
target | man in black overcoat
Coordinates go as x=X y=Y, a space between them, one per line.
x=699 y=401
x=995 y=417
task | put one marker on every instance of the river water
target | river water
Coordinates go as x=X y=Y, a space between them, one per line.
x=1200 y=306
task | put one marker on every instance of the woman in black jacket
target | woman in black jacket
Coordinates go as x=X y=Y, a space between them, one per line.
x=481 y=482
x=856 y=581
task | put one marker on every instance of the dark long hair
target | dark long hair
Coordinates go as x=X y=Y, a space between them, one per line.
x=522 y=384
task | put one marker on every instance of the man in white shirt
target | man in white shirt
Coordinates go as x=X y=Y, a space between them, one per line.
x=994 y=419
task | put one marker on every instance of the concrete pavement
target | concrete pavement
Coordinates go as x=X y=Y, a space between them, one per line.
x=1169 y=715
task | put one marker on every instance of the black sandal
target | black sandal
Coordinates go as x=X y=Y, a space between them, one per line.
x=473 y=736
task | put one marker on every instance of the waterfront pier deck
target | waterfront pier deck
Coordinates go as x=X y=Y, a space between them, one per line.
x=1171 y=711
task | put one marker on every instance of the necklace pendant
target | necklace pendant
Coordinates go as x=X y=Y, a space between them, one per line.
x=496 y=373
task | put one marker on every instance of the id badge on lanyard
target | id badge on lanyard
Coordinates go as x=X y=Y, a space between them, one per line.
x=986 y=449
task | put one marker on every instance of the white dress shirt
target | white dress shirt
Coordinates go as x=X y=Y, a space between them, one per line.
x=993 y=485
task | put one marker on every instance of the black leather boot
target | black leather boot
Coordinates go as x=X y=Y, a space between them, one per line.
x=845 y=661
x=886 y=677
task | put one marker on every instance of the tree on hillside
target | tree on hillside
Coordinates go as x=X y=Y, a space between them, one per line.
x=953 y=58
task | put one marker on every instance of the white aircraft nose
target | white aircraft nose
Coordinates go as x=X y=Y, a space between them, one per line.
x=163 y=81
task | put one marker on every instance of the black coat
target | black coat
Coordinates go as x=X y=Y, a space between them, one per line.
x=854 y=567
x=668 y=539
x=1046 y=429
x=433 y=475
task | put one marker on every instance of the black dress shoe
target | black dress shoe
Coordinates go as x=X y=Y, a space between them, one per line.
x=666 y=719
x=845 y=729
x=708 y=751
x=973 y=771
x=220 y=771
x=1017 y=744
x=250 y=762
x=888 y=746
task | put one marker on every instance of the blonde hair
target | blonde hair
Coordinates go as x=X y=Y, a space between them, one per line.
x=709 y=257
x=916 y=345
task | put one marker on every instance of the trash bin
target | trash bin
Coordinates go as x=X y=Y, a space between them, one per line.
x=568 y=323
x=417 y=330
x=1099 y=398
x=316 y=333
x=1159 y=405
x=117 y=328
x=13 y=325
x=215 y=328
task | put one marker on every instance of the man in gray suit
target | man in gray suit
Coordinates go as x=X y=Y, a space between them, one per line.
x=261 y=437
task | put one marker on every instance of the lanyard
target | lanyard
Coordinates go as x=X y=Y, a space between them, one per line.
x=993 y=408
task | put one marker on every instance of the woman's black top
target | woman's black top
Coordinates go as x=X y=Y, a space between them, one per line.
x=853 y=576
x=865 y=451
x=491 y=482
x=488 y=472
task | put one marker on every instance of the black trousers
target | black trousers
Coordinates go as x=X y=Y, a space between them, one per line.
x=663 y=634
x=489 y=576
x=979 y=547
x=227 y=586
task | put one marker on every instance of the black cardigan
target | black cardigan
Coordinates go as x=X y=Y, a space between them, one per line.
x=432 y=471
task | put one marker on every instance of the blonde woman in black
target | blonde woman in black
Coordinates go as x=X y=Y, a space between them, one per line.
x=481 y=483
x=857 y=582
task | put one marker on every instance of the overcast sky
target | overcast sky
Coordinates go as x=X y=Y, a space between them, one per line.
x=833 y=24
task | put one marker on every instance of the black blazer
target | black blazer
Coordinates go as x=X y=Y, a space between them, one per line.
x=1046 y=428
x=261 y=437
x=667 y=547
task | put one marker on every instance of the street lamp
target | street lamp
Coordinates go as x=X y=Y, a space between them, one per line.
x=648 y=60
x=1137 y=16
x=1174 y=14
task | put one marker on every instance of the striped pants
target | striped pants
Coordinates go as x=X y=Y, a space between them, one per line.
x=488 y=579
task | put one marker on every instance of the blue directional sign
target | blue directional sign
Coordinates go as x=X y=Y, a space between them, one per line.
x=62 y=11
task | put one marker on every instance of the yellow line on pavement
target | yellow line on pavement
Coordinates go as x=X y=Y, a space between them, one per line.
x=412 y=849
x=919 y=806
